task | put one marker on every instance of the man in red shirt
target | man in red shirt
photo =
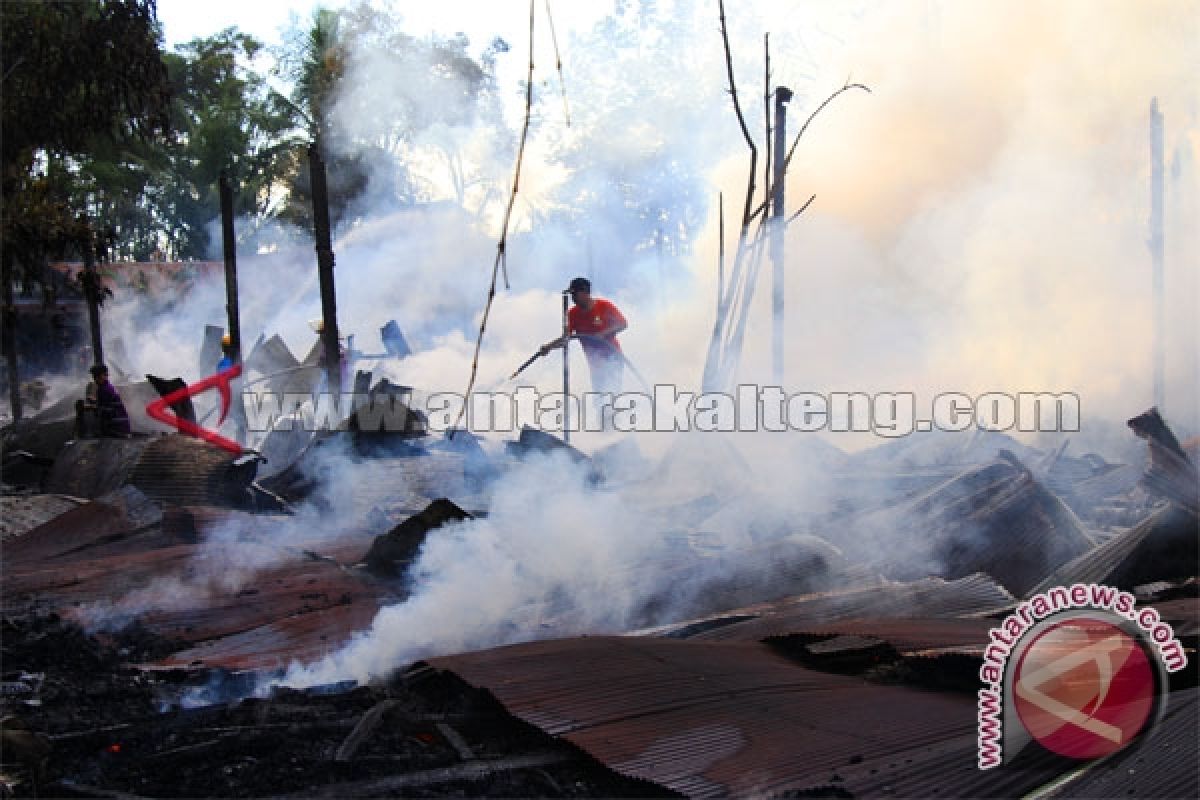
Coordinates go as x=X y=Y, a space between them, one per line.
x=596 y=323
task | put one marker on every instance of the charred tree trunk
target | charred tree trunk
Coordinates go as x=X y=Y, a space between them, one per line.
x=9 y=324
x=229 y=243
x=91 y=291
x=324 y=247
x=229 y=246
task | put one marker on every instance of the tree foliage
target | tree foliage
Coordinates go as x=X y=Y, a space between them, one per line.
x=76 y=76
x=100 y=126
x=639 y=129
x=226 y=122
x=378 y=101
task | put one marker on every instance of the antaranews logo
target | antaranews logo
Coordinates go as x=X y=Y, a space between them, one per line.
x=1079 y=671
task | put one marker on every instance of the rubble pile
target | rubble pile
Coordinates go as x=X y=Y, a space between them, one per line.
x=798 y=628
x=995 y=518
x=81 y=722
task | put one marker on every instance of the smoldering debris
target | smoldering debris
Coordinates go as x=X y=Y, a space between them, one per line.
x=393 y=552
x=94 y=724
x=174 y=468
x=552 y=544
x=1171 y=473
x=996 y=518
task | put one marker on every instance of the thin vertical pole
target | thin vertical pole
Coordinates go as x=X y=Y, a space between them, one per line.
x=566 y=374
x=720 y=256
x=1156 y=251
x=782 y=96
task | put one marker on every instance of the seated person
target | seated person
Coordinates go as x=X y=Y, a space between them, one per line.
x=103 y=400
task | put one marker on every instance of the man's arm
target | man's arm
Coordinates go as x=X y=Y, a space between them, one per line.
x=554 y=344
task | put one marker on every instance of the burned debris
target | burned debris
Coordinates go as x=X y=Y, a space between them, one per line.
x=269 y=570
x=1171 y=473
x=393 y=552
x=996 y=518
x=171 y=694
x=88 y=723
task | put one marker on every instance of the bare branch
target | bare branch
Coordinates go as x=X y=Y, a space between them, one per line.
x=803 y=208
x=767 y=188
x=737 y=109
x=562 y=85
x=847 y=87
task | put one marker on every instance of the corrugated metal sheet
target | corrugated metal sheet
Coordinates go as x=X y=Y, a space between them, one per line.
x=712 y=719
x=294 y=600
x=21 y=513
x=1183 y=614
x=1171 y=473
x=94 y=467
x=75 y=533
x=1132 y=556
x=1166 y=764
x=306 y=636
x=906 y=636
x=996 y=518
x=172 y=468
x=184 y=471
x=924 y=599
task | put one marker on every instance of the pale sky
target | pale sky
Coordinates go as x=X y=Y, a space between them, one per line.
x=481 y=20
x=185 y=19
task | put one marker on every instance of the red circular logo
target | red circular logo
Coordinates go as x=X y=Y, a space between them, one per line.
x=1083 y=688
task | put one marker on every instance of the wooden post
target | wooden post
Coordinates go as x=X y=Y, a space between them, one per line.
x=229 y=243
x=782 y=96
x=91 y=290
x=9 y=333
x=324 y=247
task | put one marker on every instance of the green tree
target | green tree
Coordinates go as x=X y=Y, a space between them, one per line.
x=77 y=77
x=313 y=62
x=227 y=121
x=74 y=75
x=377 y=100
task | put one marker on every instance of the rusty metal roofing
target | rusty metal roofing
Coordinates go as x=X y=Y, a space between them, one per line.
x=995 y=518
x=1166 y=764
x=1125 y=558
x=932 y=597
x=300 y=601
x=906 y=636
x=713 y=719
x=305 y=636
x=171 y=468
x=1182 y=613
x=183 y=471
x=21 y=513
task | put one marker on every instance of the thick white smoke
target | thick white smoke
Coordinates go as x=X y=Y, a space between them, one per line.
x=979 y=225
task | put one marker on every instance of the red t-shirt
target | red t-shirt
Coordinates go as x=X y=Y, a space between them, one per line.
x=601 y=315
